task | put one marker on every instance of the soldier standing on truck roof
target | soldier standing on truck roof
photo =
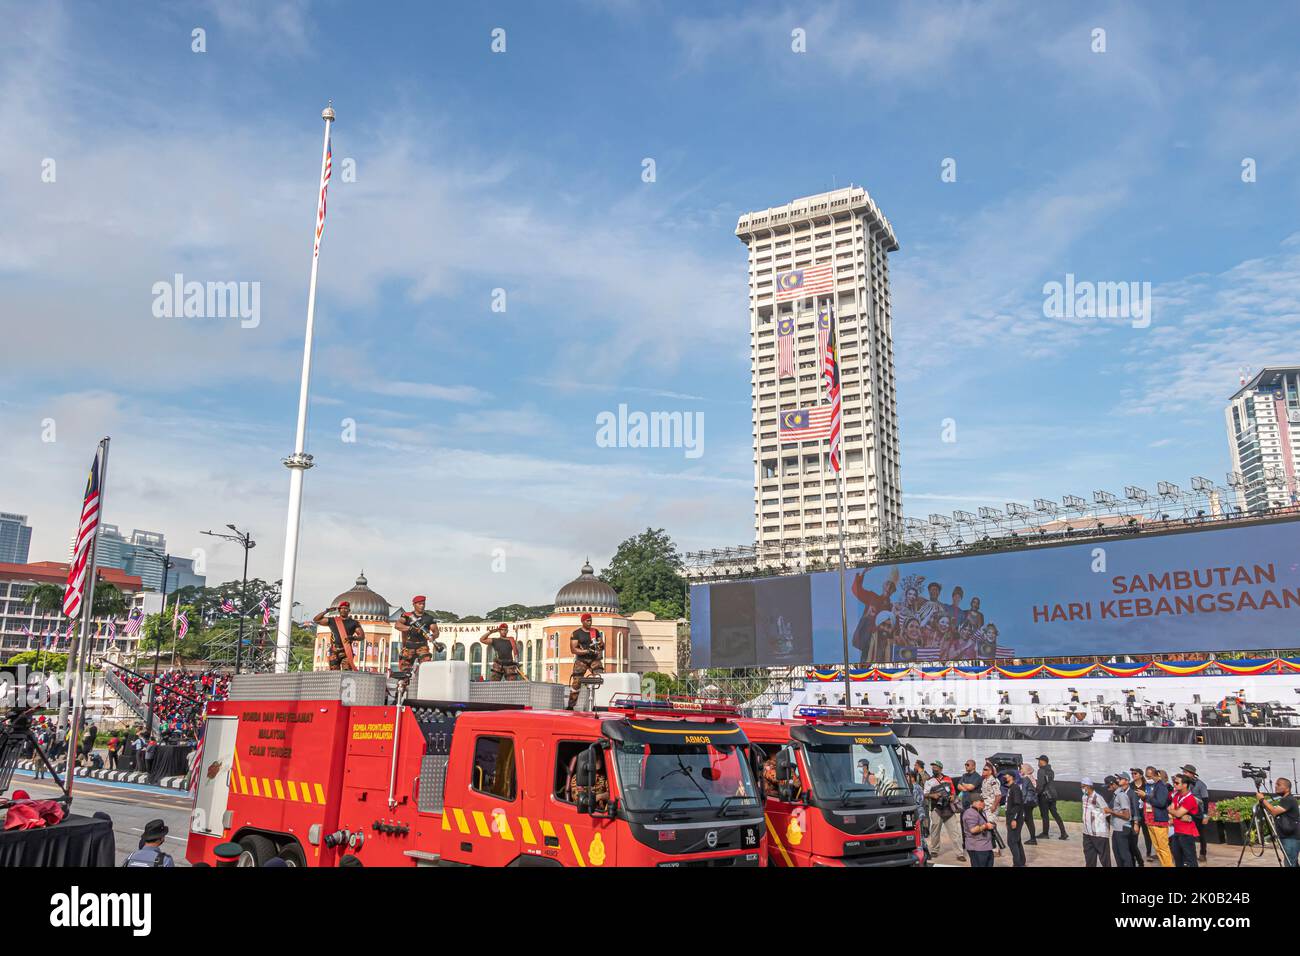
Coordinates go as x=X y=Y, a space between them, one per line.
x=586 y=644
x=344 y=629
x=417 y=627
x=506 y=665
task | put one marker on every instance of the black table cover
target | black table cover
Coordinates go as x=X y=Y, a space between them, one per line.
x=170 y=760
x=76 y=841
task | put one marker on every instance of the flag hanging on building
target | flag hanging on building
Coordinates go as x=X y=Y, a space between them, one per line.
x=184 y=626
x=133 y=623
x=324 y=188
x=805 y=424
x=785 y=347
x=85 y=539
x=805 y=283
x=831 y=378
x=823 y=327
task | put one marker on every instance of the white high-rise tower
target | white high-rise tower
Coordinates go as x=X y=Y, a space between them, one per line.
x=794 y=485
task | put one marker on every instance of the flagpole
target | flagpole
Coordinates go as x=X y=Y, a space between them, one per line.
x=300 y=461
x=839 y=523
x=87 y=613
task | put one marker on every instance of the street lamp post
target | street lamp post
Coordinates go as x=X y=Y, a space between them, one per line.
x=246 y=541
x=166 y=560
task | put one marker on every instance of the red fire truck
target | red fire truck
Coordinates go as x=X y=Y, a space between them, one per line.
x=453 y=783
x=841 y=796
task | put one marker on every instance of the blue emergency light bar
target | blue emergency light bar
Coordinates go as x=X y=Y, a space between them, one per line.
x=680 y=706
x=874 y=714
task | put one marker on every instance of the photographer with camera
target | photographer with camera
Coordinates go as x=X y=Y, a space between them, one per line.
x=1286 y=817
x=587 y=645
x=940 y=796
x=978 y=832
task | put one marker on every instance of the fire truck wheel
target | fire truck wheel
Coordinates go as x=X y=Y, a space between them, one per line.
x=293 y=856
x=257 y=849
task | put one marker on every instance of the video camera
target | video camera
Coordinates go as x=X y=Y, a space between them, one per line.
x=1258 y=774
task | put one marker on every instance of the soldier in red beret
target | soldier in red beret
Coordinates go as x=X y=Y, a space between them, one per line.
x=418 y=628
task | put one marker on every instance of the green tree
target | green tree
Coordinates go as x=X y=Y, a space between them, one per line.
x=646 y=572
x=48 y=599
x=51 y=662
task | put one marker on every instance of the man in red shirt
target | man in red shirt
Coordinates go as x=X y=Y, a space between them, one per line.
x=1184 y=810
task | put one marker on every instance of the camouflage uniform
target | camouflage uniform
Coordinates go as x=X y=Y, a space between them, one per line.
x=601 y=790
x=415 y=647
x=338 y=658
x=586 y=661
x=506 y=670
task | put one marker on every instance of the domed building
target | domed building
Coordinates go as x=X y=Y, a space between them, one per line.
x=638 y=642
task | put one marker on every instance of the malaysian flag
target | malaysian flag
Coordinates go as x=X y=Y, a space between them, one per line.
x=785 y=347
x=324 y=188
x=805 y=424
x=927 y=653
x=133 y=623
x=266 y=612
x=805 y=283
x=1005 y=653
x=823 y=327
x=27 y=631
x=184 y=626
x=85 y=540
x=112 y=629
x=831 y=376
x=72 y=629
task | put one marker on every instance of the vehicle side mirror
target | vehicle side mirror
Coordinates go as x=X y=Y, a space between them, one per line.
x=784 y=767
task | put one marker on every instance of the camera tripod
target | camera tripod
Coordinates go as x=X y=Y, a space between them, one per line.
x=15 y=733
x=1262 y=829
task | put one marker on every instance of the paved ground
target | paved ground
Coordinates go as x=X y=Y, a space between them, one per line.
x=1066 y=853
x=130 y=807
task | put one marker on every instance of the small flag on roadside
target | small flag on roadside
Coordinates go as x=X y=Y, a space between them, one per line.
x=805 y=283
x=805 y=424
x=227 y=605
x=184 y=626
x=133 y=622
x=266 y=612
x=112 y=629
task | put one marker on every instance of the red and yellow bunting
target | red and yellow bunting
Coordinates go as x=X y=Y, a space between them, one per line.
x=1245 y=668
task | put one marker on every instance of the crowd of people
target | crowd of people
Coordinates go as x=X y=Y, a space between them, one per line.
x=180 y=699
x=1133 y=818
x=904 y=623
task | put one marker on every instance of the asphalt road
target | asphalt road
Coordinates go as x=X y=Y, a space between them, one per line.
x=131 y=808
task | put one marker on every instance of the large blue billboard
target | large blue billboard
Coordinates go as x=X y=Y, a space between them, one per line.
x=1228 y=588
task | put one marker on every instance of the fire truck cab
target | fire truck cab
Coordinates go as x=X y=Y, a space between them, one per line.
x=314 y=776
x=836 y=789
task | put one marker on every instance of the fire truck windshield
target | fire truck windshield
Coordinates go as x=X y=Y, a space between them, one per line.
x=677 y=779
x=856 y=773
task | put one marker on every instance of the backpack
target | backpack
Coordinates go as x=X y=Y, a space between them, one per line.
x=159 y=858
x=1031 y=795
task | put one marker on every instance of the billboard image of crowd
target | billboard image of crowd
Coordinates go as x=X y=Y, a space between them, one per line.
x=1231 y=588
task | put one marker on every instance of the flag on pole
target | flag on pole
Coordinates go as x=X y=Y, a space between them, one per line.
x=805 y=424
x=72 y=629
x=133 y=623
x=266 y=612
x=85 y=539
x=831 y=376
x=823 y=327
x=112 y=629
x=324 y=188
x=184 y=627
x=805 y=283
x=227 y=605
x=785 y=347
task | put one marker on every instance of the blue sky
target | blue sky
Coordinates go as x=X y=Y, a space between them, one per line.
x=522 y=171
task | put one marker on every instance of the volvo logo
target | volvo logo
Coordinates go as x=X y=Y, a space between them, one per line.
x=711 y=838
x=881 y=821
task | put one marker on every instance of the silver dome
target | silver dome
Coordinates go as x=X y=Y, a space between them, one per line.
x=587 y=593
